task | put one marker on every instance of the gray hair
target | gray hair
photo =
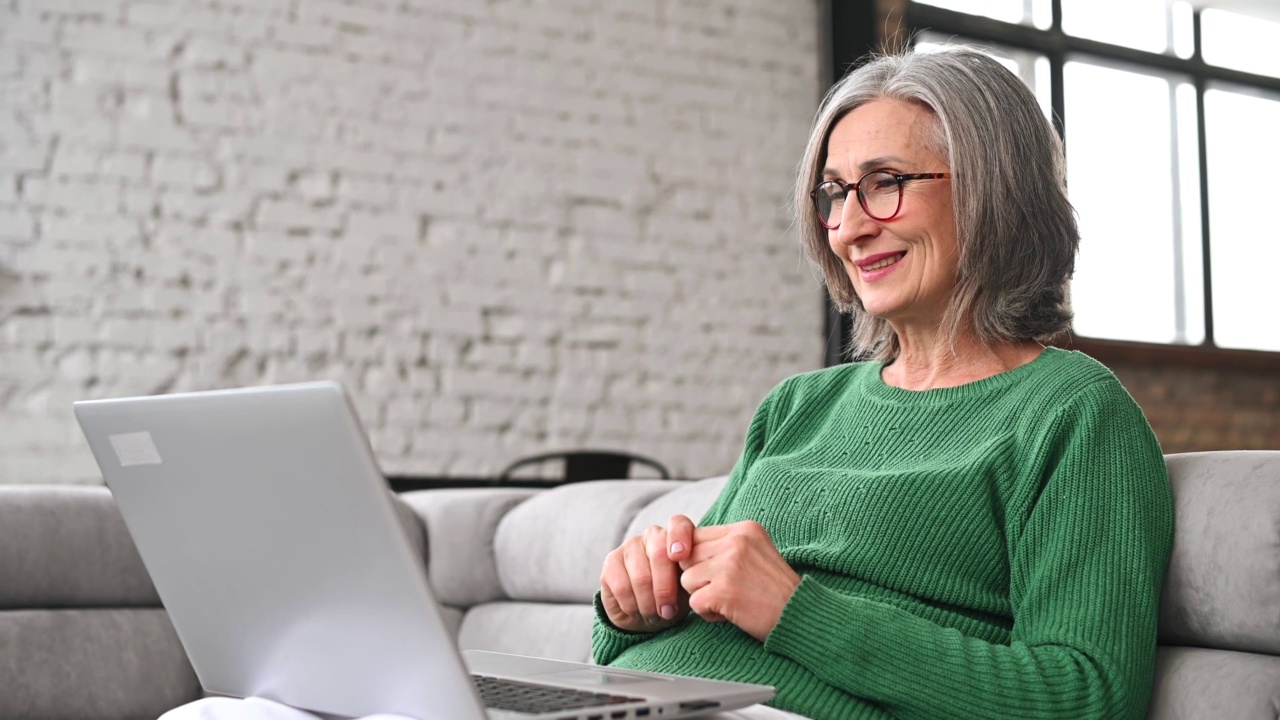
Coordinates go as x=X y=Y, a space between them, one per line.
x=1015 y=227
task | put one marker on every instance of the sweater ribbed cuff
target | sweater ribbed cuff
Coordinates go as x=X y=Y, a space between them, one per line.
x=803 y=632
x=607 y=641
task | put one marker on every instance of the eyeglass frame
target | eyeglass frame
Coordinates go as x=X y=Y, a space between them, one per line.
x=901 y=179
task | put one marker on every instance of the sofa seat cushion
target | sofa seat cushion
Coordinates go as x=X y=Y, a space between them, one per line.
x=560 y=631
x=100 y=664
x=1195 y=683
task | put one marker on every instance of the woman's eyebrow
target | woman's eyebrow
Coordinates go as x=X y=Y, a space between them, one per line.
x=867 y=165
x=873 y=163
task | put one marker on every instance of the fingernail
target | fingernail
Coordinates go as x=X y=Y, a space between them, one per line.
x=677 y=548
x=667 y=612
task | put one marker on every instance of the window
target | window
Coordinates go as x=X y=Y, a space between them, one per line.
x=1246 y=245
x=1133 y=179
x=1168 y=113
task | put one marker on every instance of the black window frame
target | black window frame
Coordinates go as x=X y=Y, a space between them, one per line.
x=853 y=33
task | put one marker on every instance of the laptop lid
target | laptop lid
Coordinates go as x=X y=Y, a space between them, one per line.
x=275 y=546
x=273 y=543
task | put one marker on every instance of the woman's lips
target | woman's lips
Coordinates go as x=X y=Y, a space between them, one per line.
x=877 y=266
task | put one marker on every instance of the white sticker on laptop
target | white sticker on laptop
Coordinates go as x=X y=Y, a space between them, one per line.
x=135 y=448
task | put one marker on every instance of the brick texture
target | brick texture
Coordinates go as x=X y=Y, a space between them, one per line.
x=1195 y=409
x=507 y=226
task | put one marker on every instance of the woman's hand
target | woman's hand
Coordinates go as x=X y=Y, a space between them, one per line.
x=736 y=573
x=640 y=582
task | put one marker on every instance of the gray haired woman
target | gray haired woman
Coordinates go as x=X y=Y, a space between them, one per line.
x=967 y=524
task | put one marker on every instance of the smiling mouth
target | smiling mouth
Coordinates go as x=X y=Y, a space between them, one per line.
x=883 y=262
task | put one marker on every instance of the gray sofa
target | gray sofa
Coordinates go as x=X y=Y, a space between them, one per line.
x=83 y=634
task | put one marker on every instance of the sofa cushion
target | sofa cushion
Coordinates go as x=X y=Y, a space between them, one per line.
x=66 y=546
x=561 y=631
x=550 y=547
x=413 y=529
x=460 y=526
x=692 y=499
x=1195 y=683
x=92 y=664
x=1223 y=585
x=452 y=617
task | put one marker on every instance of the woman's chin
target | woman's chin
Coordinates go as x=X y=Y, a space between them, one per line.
x=879 y=308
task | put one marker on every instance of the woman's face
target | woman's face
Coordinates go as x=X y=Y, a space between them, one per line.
x=903 y=269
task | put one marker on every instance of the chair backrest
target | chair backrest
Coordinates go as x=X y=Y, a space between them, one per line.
x=584 y=465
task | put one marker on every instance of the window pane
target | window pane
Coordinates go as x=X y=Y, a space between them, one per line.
x=1240 y=42
x=1121 y=178
x=1013 y=11
x=1187 y=160
x=1246 y=246
x=1182 y=17
x=1139 y=24
x=1042 y=14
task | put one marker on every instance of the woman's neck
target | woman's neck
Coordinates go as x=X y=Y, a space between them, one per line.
x=928 y=360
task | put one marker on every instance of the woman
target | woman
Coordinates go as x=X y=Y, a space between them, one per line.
x=969 y=524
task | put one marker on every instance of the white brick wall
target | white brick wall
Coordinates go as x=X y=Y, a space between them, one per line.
x=508 y=227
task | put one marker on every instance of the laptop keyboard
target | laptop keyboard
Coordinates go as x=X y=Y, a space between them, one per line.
x=503 y=694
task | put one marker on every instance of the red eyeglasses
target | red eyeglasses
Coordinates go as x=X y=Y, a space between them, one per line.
x=879 y=193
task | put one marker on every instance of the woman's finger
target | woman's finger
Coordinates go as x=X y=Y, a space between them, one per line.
x=664 y=574
x=640 y=576
x=680 y=538
x=615 y=590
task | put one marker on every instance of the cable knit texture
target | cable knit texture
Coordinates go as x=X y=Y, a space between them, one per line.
x=994 y=550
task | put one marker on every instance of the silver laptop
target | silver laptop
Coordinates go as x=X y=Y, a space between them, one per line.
x=274 y=544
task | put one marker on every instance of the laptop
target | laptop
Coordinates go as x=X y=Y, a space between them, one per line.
x=273 y=542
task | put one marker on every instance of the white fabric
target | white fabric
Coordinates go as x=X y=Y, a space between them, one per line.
x=757 y=712
x=259 y=709
x=220 y=708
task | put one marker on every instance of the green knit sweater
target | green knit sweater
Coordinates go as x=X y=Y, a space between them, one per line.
x=994 y=550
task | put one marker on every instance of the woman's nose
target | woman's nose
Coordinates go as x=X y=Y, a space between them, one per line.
x=855 y=225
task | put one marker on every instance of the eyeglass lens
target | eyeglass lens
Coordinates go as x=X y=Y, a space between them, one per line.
x=878 y=192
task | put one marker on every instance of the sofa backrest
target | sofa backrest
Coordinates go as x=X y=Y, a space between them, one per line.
x=82 y=630
x=82 y=633
x=1219 y=615
x=1222 y=589
x=1220 y=609
x=84 y=636
x=520 y=567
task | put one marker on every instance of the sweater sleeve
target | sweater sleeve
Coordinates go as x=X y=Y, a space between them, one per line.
x=607 y=641
x=1085 y=577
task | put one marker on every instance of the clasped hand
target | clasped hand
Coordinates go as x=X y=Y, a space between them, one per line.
x=723 y=572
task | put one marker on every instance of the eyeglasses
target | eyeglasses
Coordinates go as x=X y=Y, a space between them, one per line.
x=879 y=193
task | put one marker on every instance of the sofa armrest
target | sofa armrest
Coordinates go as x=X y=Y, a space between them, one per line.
x=459 y=527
